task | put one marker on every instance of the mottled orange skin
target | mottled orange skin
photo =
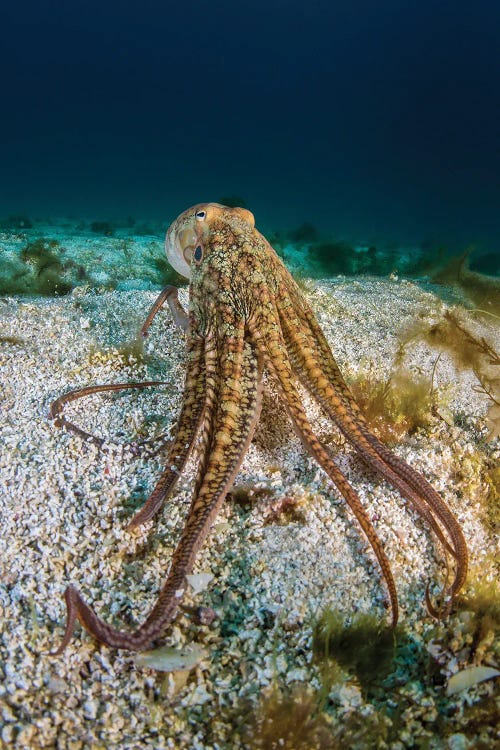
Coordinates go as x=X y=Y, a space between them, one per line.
x=246 y=313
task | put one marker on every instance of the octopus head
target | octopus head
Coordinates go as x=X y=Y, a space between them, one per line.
x=186 y=235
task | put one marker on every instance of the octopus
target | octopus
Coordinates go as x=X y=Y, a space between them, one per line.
x=246 y=316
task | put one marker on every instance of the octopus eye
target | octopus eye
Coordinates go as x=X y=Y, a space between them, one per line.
x=200 y=215
x=198 y=254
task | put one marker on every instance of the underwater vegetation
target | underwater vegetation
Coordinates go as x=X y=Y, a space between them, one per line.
x=479 y=609
x=41 y=269
x=402 y=678
x=304 y=233
x=334 y=257
x=166 y=274
x=291 y=720
x=43 y=266
x=483 y=290
x=406 y=402
x=398 y=405
x=454 y=334
x=327 y=256
x=365 y=648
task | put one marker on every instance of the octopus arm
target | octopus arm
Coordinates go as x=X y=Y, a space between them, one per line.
x=193 y=406
x=274 y=352
x=168 y=294
x=314 y=365
x=232 y=402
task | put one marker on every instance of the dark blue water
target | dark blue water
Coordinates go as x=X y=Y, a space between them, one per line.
x=373 y=120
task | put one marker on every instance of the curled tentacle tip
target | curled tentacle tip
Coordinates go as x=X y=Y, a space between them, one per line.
x=440 y=611
x=70 y=596
x=58 y=651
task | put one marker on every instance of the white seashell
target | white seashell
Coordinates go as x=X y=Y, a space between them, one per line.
x=168 y=659
x=199 y=581
x=468 y=677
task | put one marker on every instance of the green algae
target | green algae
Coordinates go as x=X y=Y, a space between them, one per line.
x=453 y=332
x=166 y=274
x=292 y=720
x=482 y=289
x=49 y=267
x=482 y=599
x=365 y=648
x=40 y=269
x=399 y=405
x=298 y=718
x=333 y=257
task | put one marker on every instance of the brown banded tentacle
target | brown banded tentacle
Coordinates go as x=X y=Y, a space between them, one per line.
x=273 y=351
x=308 y=366
x=185 y=434
x=236 y=410
x=319 y=371
x=424 y=510
x=192 y=408
x=406 y=472
x=168 y=294
x=236 y=407
x=56 y=406
x=212 y=386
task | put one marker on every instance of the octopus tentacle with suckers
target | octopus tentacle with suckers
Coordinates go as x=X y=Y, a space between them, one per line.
x=246 y=315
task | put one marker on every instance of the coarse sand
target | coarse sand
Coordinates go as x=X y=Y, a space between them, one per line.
x=65 y=505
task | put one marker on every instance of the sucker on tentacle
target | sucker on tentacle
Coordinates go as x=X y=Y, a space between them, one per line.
x=246 y=313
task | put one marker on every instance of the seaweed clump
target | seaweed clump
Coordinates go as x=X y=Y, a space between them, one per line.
x=397 y=406
x=482 y=289
x=291 y=721
x=304 y=233
x=492 y=509
x=333 y=257
x=42 y=270
x=166 y=274
x=297 y=719
x=453 y=334
x=481 y=602
x=365 y=648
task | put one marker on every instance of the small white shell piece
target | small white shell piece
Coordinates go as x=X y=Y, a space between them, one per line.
x=468 y=677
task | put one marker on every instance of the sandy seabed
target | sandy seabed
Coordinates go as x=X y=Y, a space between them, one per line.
x=65 y=504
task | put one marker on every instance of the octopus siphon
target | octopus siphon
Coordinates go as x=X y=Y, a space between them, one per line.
x=247 y=315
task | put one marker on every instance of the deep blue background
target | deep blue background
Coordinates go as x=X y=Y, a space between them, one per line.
x=370 y=118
